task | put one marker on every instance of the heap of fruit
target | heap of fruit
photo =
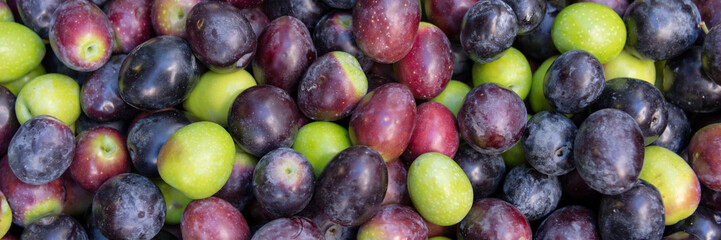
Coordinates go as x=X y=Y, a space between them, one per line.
x=338 y=119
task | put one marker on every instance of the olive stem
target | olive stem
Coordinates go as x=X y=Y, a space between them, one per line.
x=703 y=26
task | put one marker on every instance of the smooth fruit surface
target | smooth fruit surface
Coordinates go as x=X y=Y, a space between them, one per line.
x=320 y=142
x=385 y=29
x=492 y=118
x=197 y=159
x=626 y=65
x=603 y=35
x=608 y=151
x=511 y=70
x=128 y=206
x=452 y=97
x=51 y=94
x=439 y=189
x=211 y=99
x=492 y=218
x=675 y=181
x=21 y=51
x=81 y=35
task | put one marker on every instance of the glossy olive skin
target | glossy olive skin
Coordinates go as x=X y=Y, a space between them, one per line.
x=492 y=218
x=384 y=120
x=573 y=81
x=489 y=28
x=678 y=130
x=533 y=193
x=635 y=214
x=661 y=29
x=485 y=171
x=307 y=11
x=8 y=120
x=159 y=73
x=147 y=136
x=289 y=228
x=567 y=223
x=285 y=51
x=352 y=186
x=256 y=18
x=60 y=227
x=385 y=29
x=529 y=13
x=30 y=202
x=548 y=143
x=37 y=14
x=100 y=97
x=492 y=118
x=283 y=182
x=428 y=67
x=538 y=43
x=263 y=118
x=447 y=15
x=703 y=224
x=329 y=229
x=690 y=88
x=331 y=87
x=128 y=206
x=41 y=150
x=221 y=38
x=334 y=32
x=608 y=151
x=711 y=57
x=131 y=23
x=643 y=101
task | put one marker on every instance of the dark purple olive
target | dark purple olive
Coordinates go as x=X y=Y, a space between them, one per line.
x=573 y=81
x=568 y=223
x=37 y=14
x=220 y=36
x=283 y=182
x=690 y=88
x=705 y=224
x=352 y=186
x=529 y=13
x=485 y=171
x=548 y=143
x=158 y=74
x=534 y=194
x=678 y=130
x=608 y=151
x=263 y=118
x=489 y=28
x=334 y=32
x=289 y=228
x=41 y=150
x=8 y=119
x=100 y=98
x=538 y=44
x=661 y=29
x=147 y=136
x=60 y=227
x=285 y=51
x=128 y=206
x=492 y=118
x=635 y=214
x=307 y=11
x=641 y=100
